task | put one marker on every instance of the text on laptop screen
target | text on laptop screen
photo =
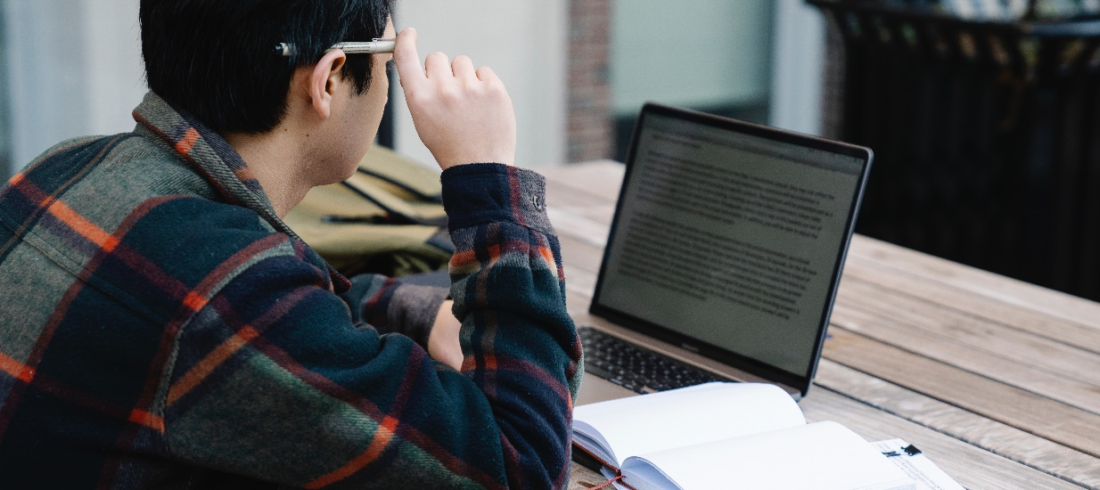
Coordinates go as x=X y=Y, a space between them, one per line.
x=730 y=238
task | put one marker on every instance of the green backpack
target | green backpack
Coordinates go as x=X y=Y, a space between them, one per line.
x=388 y=218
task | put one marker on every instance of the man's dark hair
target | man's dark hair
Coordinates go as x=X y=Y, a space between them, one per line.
x=216 y=59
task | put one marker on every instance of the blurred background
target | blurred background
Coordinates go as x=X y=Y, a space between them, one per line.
x=981 y=113
x=577 y=70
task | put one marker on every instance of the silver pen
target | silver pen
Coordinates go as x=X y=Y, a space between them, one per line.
x=376 y=45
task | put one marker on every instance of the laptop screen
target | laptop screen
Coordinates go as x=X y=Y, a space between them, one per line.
x=729 y=237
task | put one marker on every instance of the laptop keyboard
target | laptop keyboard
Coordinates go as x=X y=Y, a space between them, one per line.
x=634 y=367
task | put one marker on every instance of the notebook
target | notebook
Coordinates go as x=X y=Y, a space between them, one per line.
x=726 y=249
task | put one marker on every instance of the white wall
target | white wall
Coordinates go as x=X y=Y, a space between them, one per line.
x=74 y=69
x=116 y=78
x=524 y=42
x=75 y=66
x=798 y=67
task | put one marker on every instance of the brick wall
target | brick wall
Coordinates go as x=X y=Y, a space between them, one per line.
x=589 y=131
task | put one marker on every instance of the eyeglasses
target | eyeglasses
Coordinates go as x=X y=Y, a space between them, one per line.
x=376 y=45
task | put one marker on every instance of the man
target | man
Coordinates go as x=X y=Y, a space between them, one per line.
x=162 y=327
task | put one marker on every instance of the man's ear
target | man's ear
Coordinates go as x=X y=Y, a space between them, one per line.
x=322 y=82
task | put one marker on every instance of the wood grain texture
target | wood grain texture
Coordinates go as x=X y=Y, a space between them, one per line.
x=998 y=438
x=973 y=431
x=601 y=178
x=972 y=467
x=565 y=198
x=580 y=255
x=998 y=381
x=1029 y=412
x=1032 y=363
x=978 y=452
x=1074 y=310
x=582 y=478
x=581 y=228
x=1017 y=314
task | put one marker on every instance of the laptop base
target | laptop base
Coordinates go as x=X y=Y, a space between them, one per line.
x=595 y=389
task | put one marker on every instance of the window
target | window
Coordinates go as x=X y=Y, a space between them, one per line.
x=709 y=55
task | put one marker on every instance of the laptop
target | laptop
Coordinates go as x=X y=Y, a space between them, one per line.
x=724 y=256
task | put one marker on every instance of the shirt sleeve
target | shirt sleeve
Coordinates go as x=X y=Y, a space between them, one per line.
x=391 y=306
x=272 y=380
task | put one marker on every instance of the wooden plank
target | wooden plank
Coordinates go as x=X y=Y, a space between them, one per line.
x=972 y=467
x=577 y=226
x=983 y=347
x=870 y=308
x=577 y=303
x=998 y=438
x=927 y=373
x=984 y=337
x=580 y=282
x=1020 y=447
x=601 y=178
x=583 y=478
x=1013 y=314
x=1040 y=310
x=563 y=191
x=1053 y=420
x=580 y=254
x=580 y=202
x=1010 y=291
x=1024 y=306
x=899 y=332
x=581 y=266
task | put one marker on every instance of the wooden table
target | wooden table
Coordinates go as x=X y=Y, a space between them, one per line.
x=996 y=380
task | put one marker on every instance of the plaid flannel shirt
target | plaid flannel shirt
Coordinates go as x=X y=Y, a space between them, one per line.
x=162 y=328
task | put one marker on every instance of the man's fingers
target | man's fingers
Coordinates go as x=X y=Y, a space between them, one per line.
x=463 y=68
x=462 y=115
x=486 y=74
x=407 y=59
x=437 y=65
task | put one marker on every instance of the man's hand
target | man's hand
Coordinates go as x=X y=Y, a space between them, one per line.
x=443 y=343
x=462 y=115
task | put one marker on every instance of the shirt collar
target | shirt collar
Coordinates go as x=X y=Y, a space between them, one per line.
x=208 y=154
x=215 y=160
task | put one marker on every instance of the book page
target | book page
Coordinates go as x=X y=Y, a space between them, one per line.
x=694 y=415
x=916 y=465
x=822 y=456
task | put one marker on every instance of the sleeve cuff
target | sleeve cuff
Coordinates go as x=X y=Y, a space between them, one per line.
x=482 y=193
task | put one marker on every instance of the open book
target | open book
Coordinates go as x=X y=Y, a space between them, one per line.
x=727 y=435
